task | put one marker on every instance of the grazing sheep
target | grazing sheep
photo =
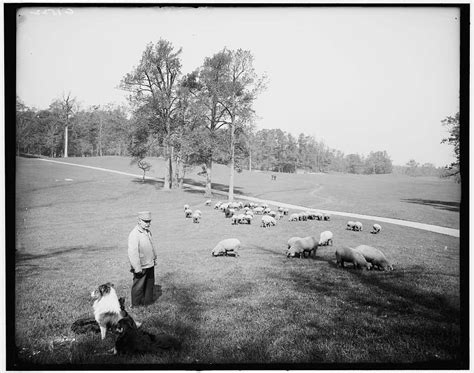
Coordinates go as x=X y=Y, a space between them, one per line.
x=291 y=241
x=258 y=210
x=268 y=221
x=246 y=219
x=264 y=205
x=247 y=204
x=250 y=213
x=375 y=257
x=188 y=213
x=293 y=217
x=229 y=246
x=305 y=245
x=326 y=217
x=196 y=216
x=285 y=211
x=376 y=229
x=325 y=238
x=186 y=207
x=208 y=202
x=280 y=209
x=234 y=219
x=302 y=216
x=234 y=205
x=348 y=254
x=350 y=225
x=224 y=206
x=294 y=251
x=311 y=216
x=319 y=215
x=217 y=205
x=266 y=211
x=272 y=213
x=357 y=226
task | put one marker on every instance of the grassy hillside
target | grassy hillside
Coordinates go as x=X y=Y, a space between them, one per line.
x=422 y=199
x=72 y=228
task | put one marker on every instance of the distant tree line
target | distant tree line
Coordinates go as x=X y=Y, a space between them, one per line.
x=198 y=118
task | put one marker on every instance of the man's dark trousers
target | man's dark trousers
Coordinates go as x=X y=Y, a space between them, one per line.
x=142 y=288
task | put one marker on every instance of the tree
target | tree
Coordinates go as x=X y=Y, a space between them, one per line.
x=25 y=126
x=153 y=87
x=354 y=163
x=453 y=125
x=378 y=163
x=66 y=107
x=412 y=167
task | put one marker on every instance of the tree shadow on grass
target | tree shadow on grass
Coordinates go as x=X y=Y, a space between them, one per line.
x=22 y=257
x=157 y=183
x=440 y=205
x=215 y=186
x=397 y=319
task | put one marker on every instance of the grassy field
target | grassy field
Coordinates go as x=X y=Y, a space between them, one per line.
x=259 y=308
x=429 y=200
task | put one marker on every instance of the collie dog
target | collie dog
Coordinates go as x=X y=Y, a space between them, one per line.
x=107 y=310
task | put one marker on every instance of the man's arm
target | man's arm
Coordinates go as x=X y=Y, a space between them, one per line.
x=133 y=254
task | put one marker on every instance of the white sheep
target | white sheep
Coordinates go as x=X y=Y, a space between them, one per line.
x=302 y=216
x=268 y=221
x=196 y=216
x=186 y=207
x=350 y=255
x=234 y=219
x=266 y=211
x=229 y=246
x=325 y=238
x=376 y=229
x=280 y=209
x=188 y=213
x=350 y=225
x=258 y=210
x=374 y=256
x=302 y=246
x=293 y=217
x=285 y=211
x=217 y=205
x=358 y=226
x=291 y=241
x=272 y=213
x=208 y=202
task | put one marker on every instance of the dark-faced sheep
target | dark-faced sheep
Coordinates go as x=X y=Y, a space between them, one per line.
x=326 y=217
x=350 y=225
x=208 y=202
x=196 y=216
x=349 y=255
x=227 y=247
x=375 y=256
x=186 y=207
x=376 y=229
x=357 y=226
x=188 y=213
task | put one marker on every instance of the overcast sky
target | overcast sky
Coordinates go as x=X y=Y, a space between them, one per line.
x=361 y=79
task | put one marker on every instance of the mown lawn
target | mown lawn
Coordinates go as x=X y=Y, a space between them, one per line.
x=429 y=200
x=259 y=308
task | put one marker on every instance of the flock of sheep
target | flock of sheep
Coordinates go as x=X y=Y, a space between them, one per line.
x=363 y=256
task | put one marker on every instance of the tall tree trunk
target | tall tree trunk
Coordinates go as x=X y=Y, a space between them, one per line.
x=208 y=190
x=174 y=170
x=180 y=172
x=65 y=141
x=167 y=185
x=250 y=160
x=232 y=160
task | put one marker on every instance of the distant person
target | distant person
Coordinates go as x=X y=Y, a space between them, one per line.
x=142 y=255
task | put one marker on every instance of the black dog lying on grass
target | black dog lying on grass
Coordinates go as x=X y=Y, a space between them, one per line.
x=132 y=340
x=89 y=324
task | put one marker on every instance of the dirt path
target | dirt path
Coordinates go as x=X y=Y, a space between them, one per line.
x=406 y=223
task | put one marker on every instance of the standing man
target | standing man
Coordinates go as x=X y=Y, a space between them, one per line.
x=142 y=256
